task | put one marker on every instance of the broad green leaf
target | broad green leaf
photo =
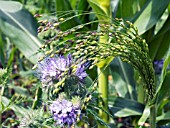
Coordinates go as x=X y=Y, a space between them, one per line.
x=101 y=8
x=164 y=46
x=120 y=85
x=142 y=3
x=165 y=116
x=164 y=91
x=122 y=75
x=127 y=8
x=2 y=56
x=26 y=73
x=121 y=107
x=159 y=45
x=82 y=7
x=97 y=118
x=164 y=70
x=165 y=27
x=144 y=116
x=9 y=105
x=161 y=21
x=19 y=25
x=150 y=14
x=19 y=90
x=114 y=6
x=74 y=4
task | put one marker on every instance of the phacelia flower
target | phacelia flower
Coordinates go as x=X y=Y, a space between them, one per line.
x=64 y=112
x=158 y=65
x=51 y=69
x=80 y=72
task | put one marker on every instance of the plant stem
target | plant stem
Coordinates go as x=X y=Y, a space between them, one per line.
x=153 y=116
x=103 y=90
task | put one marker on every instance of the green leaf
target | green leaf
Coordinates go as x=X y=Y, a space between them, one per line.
x=9 y=105
x=74 y=4
x=121 y=107
x=158 y=46
x=83 y=6
x=161 y=22
x=164 y=46
x=19 y=90
x=164 y=70
x=19 y=25
x=101 y=8
x=122 y=79
x=164 y=91
x=150 y=14
x=97 y=118
x=144 y=116
x=165 y=116
x=127 y=8
x=2 y=56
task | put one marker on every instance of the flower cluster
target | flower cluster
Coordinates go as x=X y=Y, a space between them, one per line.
x=158 y=65
x=51 y=68
x=65 y=112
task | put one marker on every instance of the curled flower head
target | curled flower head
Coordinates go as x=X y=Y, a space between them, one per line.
x=51 y=69
x=64 y=112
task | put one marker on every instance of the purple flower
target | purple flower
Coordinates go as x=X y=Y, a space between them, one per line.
x=80 y=72
x=52 y=68
x=64 y=112
x=158 y=65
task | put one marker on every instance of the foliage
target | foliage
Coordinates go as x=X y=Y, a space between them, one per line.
x=77 y=27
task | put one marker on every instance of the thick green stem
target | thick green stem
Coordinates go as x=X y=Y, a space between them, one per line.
x=103 y=90
x=153 y=116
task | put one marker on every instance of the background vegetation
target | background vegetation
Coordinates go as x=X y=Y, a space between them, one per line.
x=19 y=45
